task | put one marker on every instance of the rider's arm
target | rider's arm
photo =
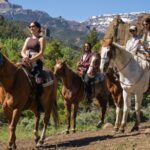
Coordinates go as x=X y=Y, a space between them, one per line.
x=118 y=45
x=24 y=48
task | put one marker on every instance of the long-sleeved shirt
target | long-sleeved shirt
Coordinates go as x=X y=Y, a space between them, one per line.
x=84 y=62
x=133 y=45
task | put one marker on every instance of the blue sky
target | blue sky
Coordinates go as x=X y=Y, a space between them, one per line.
x=80 y=10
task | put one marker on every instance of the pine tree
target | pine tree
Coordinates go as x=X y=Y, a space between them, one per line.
x=92 y=37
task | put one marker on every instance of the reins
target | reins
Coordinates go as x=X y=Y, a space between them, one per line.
x=124 y=66
x=117 y=71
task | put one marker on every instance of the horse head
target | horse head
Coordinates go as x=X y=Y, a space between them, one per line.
x=59 y=68
x=107 y=52
x=94 y=64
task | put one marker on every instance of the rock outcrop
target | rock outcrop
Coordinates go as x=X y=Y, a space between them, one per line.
x=119 y=30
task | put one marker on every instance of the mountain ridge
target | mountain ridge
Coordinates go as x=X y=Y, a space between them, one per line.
x=61 y=28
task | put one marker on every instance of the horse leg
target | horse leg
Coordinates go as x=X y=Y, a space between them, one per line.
x=118 y=118
x=76 y=106
x=7 y=111
x=46 y=120
x=12 y=128
x=36 y=127
x=126 y=105
x=103 y=104
x=138 y=100
x=68 y=107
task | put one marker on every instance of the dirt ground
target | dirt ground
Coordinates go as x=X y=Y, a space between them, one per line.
x=103 y=139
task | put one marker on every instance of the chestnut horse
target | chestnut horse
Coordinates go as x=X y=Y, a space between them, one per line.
x=113 y=86
x=74 y=92
x=16 y=96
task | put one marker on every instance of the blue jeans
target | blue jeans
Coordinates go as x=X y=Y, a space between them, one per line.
x=88 y=82
x=37 y=69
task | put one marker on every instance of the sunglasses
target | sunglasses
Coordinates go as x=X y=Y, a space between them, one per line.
x=32 y=26
x=132 y=31
x=145 y=24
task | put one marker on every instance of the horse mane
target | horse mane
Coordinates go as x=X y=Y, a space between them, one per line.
x=74 y=74
x=8 y=72
x=5 y=61
x=121 y=49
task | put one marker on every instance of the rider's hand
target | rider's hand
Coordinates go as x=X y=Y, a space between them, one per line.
x=27 y=61
x=146 y=54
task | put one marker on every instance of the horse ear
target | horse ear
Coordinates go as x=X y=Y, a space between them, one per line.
x=64 y=61
x=56 y=60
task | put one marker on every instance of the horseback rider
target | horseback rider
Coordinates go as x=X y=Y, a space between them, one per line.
x=33 y=49
x=82 y=68
x=133 y=44
x=32 y=53
x=145 y=41
x=85 y=59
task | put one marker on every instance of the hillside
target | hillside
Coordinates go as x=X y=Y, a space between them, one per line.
x=60 y=28
x=69 y=31
x=13 y=29
x=101 y=22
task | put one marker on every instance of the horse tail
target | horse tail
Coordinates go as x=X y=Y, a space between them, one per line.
x=54 y=105
x=55 y=113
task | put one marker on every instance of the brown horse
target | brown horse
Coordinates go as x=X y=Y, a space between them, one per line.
x=74 y=92
x=113 y=86
x=16 y=96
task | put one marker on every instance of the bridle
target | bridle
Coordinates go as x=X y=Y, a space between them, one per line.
x=117 y=71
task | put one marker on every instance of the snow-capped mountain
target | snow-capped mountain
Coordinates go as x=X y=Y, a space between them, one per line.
x=59 y=27
x=101 y=22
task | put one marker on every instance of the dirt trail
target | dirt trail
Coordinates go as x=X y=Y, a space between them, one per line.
x=93 y=140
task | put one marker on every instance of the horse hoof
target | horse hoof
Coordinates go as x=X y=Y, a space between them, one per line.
x=116 y=129
x=11 y=148
x=121 y=130
x=73 y=131
x=39 y=144
x=135 y=128
x=67 y=132
x=8 y=148
x=14 y=147
x=37 y=139
x=99 y=125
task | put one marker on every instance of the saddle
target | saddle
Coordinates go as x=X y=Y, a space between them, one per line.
x=37 y=89
x=90 y=87
x=47 y=76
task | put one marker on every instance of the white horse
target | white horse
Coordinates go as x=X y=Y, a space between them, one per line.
x=134 y=78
